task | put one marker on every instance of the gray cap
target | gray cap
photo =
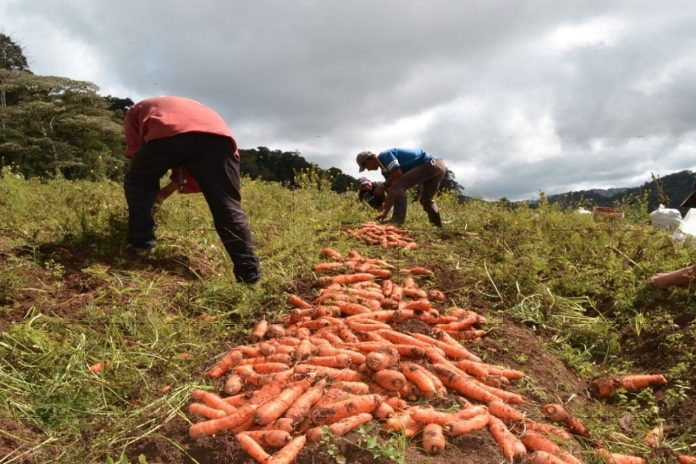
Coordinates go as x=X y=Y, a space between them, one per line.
x=362 y=157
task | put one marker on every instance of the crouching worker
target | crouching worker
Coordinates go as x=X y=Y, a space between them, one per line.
x=163 y=133
x=366 y=192
x=402 y=169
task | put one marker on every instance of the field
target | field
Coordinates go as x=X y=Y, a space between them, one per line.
x=565 y=298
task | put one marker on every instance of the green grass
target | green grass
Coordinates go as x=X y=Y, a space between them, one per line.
x=70 y=297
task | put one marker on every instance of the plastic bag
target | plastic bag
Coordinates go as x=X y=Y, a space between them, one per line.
x=582 y=210
x=688 y=224
x=665 y=218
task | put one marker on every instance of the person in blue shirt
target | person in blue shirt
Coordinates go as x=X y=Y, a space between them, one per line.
x=403 y=168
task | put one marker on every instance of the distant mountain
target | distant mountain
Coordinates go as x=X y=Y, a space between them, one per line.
x=669 y=190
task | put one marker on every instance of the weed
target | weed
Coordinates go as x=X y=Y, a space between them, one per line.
x=392 y=448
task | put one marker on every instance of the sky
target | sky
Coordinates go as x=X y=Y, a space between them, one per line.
x=517 y=96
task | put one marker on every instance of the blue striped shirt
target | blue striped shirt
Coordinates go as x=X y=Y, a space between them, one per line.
x=404 y=158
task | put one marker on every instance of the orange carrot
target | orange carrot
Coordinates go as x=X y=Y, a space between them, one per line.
x=427 y=415
x=336 y=374
x=457 y=352
x=215 y=426
x=342 y=409
x=535 y=441
x=212 y=400
x=330 y=253
x=384 y=411
x=389 y=379
x=382 y=359
x=684 y=459
x=301 y=407
x=433 y=438
x=328 y=266
x=436 y=295
x=98 y=367
x=275 y=407
x=558 y=413
x=226 y=362
x=296 y=301
x=504 y=411
x=303 y=350
x=234 y=384
x=356 y=388
x=548 y=429
x=417 y=375
x=606 y=386
x=252 y=448
x=275 y=331
x=270 y=438
x=260 y=330
x=340 y=427
x=419 y=305
x=458 y=427
x=544 y=457
x=616 y=458
x=339 y=361
x=345 y=279
x=289 y=452
x=419 y=270
x=511 y=445
x=474 y=368
x=198 y=409
x=458 y=380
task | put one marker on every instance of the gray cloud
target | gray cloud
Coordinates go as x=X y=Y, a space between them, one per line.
x=517 y=96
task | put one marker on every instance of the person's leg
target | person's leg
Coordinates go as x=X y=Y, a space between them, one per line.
x=415 y=176
x=429 y=190
x=211 y=163
x=142 y=184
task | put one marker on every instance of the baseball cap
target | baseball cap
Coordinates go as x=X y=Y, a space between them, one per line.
x=362 y=157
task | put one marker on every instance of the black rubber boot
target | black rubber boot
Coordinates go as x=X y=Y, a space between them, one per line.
x=435 y=219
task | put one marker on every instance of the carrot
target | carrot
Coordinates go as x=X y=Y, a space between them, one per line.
x=384 y=411
x=340 y=427
x=412 y=292
x=356 y=388
x=474 y=368
x=215 y=426
x=280 y=378
x=509 y=374
x=339 y=361
x=284 y=358
x=537 y=442
x=436 y=295
x=301 y=407
x=433 y=438
x=226 y=362
x=275 y=407
x=252 y=448
x=330 y=253
x=303 y=350
x=616 y=458
x=212 y=400
x=289 y=452
x=265 y=393
x=544 y=457
x=342 y=409
x=458 y=381
x=457 y=352
x=98 y=367
x=419 y=270
x=512 y=447
x=458 y=427
x=420 y=379
x=404 y=423
x=389 y=379
x=419 y=305
x=427 y=415
x=275 y=331
x=198 y=409
x=260 y=330
x=384 y=358
x=345 y=279
x=298 y=302
x=548 y=429
x=557 y=413
x=270 y=438
x=606 y=386
x=504 y=411
x=360 y=326
x=233 y=384
x=684 y=459
x=328 y=266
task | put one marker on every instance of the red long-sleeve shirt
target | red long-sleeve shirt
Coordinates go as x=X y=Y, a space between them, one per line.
x=159 y=117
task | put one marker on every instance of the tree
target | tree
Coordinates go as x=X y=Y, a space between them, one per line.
x=11 y=55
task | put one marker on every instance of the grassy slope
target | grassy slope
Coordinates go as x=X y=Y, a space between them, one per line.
x=70 y=297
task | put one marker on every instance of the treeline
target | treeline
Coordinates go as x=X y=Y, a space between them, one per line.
x=669 y=190
x=56 y=126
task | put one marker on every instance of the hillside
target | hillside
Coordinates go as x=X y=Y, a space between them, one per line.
x=669 y=190
x=564 y=299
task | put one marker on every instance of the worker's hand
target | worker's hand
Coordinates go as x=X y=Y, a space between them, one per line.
x=383 y=217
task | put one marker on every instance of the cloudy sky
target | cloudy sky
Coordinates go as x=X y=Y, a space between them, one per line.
x=518 y=96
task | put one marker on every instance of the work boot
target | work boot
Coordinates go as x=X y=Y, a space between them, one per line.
x=399 y=214
x=435 y=219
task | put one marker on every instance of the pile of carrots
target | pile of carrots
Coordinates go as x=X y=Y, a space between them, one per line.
x=368 y=347
x=386 y=236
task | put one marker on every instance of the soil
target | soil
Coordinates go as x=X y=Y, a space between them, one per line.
x=509 y=344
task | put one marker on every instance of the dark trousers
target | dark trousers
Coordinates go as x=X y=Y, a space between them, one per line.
x=429 y=175
x=209 y=158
